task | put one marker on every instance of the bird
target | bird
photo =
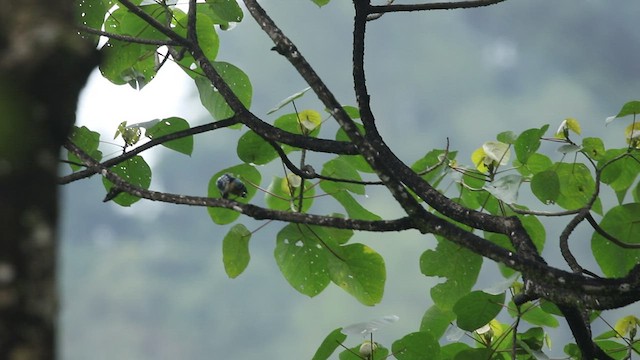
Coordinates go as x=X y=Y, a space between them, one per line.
x=227 y=184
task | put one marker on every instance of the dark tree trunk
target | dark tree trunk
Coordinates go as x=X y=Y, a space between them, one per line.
x=43 y=66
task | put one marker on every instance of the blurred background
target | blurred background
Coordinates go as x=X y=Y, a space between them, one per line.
x=147 y=282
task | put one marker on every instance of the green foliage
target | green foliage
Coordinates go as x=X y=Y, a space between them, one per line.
x=329 y=345
x=137 y=172
x=86 y=140
x=476 y=309
x=458 y=265
x=171 y=125
x=416 y=346
x=623 y=223
x=211 y=99
x=235 y=250
x=360 y=271
x=310 y=257
x=528 y=143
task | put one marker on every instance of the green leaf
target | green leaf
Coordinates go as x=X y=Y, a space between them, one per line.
x=132 y=63
x=476 y=309
x=329 y=345
x=593 y=147
x=321 y=3
x=450 y=351
x=225 y=11
x=171 y=125
x=332 y=235
x=213 y=101
x=545 y=186
x=436 y=321
x=576 y=185
x=360 y=272
x=623 y=223
x=247 y=174
x=630 y=108
x=91 y=13
x=350 y=204
x=280 y=197
x=86 y=140
x=416 y=346
x=476 y=354
x=458 y=265
x=341 y=135
x=207 y=39
x=290 y=123
x=428 y=161
x=288 y=100
x=135 y=171
x=535 y=163
x=253 y=149
x=339 y=168
x=235 y=250
x=352 y=111
x=528 y=143
x=507 y=137
x=533 y=314
x=302 y=259
x=128 y=63
x=620 y=173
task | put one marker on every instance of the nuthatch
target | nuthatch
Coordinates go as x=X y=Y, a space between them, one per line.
x=227 y=184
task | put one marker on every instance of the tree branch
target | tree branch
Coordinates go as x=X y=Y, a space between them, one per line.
x=381 y=9
x=126 y=38
x=252 y=211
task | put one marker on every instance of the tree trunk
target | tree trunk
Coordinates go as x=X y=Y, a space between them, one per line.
x=43 y=66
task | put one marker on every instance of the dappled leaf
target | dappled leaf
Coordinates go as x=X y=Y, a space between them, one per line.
x=593 y=147
x=225 y=11
x=360 y=271
x=135 y=171
x=171 y=125
x=302 y=259
x=207 y=39
x=211 y=98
